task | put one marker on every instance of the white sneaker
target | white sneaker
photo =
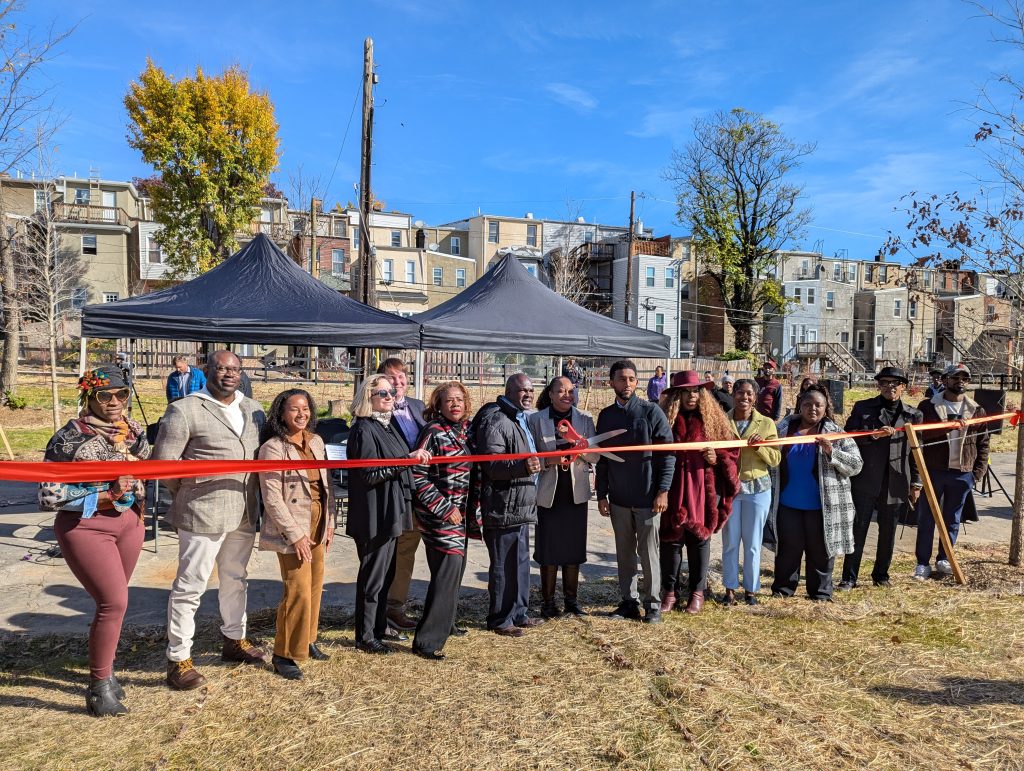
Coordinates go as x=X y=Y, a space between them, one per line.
x=943 y=567
x=922 y=572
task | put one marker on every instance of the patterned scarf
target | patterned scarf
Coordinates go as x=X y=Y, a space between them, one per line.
x=384 y=418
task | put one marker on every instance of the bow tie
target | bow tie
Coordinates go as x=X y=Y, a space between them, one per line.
x=401 y=405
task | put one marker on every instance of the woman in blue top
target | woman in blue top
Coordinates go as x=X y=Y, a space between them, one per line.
x=815 y=518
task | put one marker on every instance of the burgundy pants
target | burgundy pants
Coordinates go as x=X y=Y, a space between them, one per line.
x=102 y=551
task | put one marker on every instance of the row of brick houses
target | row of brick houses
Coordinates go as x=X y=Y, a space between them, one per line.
x=842 y=313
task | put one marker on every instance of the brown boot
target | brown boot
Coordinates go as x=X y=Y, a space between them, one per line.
x=243 y=652
x=696 y=603
x=183 y=676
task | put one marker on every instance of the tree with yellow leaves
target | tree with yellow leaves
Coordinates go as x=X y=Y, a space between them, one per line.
x=213 y=142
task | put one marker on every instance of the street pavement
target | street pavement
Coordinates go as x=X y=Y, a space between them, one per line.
x=41 y=596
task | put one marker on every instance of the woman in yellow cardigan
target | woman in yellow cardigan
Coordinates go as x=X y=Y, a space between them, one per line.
x=750 y=507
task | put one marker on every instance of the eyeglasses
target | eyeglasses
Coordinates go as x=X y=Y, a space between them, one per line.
x=890 y=383
x=382 y=394
x=105 y=397
x=221 y=370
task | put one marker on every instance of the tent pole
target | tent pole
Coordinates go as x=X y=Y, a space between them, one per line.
x=82 y=342
x=419 y=374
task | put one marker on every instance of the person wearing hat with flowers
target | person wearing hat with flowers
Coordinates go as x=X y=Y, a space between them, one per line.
x=956 y=459
x=99 y=524
x=889 y=483
x=703 y=487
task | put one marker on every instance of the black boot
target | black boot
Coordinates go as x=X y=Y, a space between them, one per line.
x=101 y=698
x=548 y=579
x=118 y=690
x=570 y=588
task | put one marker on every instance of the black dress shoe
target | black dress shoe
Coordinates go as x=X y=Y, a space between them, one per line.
x=529 y=621
x=317 y=654
x=393 y=635
x=626 y=611
x=845 y=586
x=287 y=668
x=750 y=598
x=883 y=584
x=458 y=631
x=374 y=646
x=429 y=655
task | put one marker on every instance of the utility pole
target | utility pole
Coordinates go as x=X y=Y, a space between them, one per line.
x=314 y=267
x=629 y=257
x=367 y=255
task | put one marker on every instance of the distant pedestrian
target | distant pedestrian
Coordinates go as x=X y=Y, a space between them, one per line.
x=183 y=380
x=937 y=385
x=656 y=384
x=769 y=394
x=574 y=372
x=727 y=383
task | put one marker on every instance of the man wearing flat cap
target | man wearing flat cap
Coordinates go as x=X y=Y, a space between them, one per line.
x=956 y=459
x=889 y=482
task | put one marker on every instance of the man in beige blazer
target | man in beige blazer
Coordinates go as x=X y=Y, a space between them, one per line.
x=215 y=516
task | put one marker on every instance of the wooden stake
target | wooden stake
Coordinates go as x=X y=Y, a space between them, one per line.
x=7 y=444
x=933 y=502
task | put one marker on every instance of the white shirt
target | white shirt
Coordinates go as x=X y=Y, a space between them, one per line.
x=232 y=411
x=955 y=410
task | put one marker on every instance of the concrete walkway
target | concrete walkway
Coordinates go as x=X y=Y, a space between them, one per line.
x=41 y=596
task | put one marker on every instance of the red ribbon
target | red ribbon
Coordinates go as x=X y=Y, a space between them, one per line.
x=102 y=471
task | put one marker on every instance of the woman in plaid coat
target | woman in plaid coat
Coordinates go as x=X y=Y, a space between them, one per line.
x=816 y=512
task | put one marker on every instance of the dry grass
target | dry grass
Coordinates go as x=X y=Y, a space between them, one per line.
x=916 y=676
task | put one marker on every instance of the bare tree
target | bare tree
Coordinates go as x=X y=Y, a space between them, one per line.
x=26 y=109
x=51 y=275
x=303 y=189
x=569 y=261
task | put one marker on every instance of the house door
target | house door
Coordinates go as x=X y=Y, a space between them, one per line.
x=879 y=346
x=109 y=205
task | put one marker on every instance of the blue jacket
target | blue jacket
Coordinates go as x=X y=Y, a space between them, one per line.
x=196 y=382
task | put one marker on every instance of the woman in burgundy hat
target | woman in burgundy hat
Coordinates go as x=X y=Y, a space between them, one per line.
x=704 y=484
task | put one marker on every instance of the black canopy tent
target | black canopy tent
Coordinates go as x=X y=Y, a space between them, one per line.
x=258 y=295
x=507 y=310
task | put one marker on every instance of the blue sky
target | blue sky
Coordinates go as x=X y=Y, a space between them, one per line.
x=522 y=107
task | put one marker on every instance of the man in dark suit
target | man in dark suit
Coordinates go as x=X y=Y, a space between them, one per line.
x=408 y=416
x=889 y=482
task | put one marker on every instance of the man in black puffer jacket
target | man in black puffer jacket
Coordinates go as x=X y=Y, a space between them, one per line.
x=508 y=504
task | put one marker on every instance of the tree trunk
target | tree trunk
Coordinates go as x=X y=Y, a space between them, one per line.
x=54 y=395
x=743 y=336
x=1017 y=522
x=12 y=319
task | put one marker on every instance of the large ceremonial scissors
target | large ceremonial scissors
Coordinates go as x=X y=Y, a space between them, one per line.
x=570 y=434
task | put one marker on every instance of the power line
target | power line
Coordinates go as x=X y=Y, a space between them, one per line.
x=352 y=112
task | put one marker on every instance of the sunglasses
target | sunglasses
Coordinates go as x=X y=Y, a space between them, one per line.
x=383 y=394
x=890 y=383
x=105 y=397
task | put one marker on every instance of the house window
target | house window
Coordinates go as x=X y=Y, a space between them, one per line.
x=338 y=267
x=851 y=273
x=155 y=255
x=492 y=232
x=82 y=196
x=797 y=292
x=438 y=276
x=684 y=290
x=805 y=268
x=897 y=308
x=410 y=271
x=659 y=323
x=883 y=274
x=339 y=228
x=388 y=274
x=912 y=309
x=792 y=336
x=810 y=295
x=396 y=237
x=869 y=273
x=88 y=244
x=111 y=297
x=812 y=335
x=532 y=270
x=460 y=277
x=844 y=338
x=686 y=253
x=650 y=276
x=531 y=235
x=684 y=330
x=40 y=200
x=837 y=271
x=803 y=333
x=79 y=298
x=927 y=279
x=670 y=277
x=861 y=340
x=990 y=314
x=830 y=300
x=588 y=237
x=355 y=239
x=456 y=246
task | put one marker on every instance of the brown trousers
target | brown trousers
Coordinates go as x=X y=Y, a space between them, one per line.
x=405 y=561
x=298 y=614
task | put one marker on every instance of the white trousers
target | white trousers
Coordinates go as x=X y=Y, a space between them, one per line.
x=198 y=553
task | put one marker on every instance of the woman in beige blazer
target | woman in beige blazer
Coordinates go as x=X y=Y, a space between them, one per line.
x=563 y=493
x=298 y=524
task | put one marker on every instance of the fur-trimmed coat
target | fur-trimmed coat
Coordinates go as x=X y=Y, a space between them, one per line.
x=833 y=474
x=700 y=498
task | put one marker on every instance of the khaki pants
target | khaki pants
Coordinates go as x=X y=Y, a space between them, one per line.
x=405 y=561
x=298 y=614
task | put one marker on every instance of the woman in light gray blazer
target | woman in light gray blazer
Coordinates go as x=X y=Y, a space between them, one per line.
x=563 y=493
